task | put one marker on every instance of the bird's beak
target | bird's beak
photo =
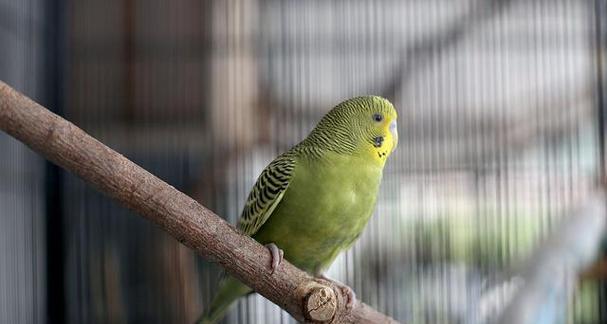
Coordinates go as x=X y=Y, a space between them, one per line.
x=394 y=131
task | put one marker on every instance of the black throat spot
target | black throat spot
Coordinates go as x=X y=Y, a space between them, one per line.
x=378 y=141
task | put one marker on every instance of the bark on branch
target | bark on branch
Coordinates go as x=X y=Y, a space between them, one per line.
x=189 y=222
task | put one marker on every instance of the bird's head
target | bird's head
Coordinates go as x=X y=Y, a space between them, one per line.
x=362 y=125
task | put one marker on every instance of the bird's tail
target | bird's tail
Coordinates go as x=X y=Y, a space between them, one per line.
x=228 y=292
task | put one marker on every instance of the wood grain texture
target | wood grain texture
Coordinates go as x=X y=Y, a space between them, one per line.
x=182 y=217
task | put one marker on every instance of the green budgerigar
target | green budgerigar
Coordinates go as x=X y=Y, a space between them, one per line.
x=313 y=201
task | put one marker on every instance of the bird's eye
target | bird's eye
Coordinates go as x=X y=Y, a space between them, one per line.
x=378 y=117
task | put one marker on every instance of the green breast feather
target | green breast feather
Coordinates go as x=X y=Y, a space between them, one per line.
x=324 y=208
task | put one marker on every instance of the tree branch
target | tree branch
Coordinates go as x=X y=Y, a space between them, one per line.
x=189 y=222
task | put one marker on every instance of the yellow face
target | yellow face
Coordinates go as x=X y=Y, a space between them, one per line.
x=382 y=130
x=364 y=126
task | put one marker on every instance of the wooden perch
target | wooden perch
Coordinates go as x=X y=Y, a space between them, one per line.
x=189 y=222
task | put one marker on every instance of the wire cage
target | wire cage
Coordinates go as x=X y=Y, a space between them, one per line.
x=501 y=121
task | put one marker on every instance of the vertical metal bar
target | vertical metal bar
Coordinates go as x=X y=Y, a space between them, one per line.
x=600 y=32
x=129 y=61
x=54 y=99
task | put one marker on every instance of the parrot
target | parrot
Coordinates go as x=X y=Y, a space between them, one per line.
x=313 y=201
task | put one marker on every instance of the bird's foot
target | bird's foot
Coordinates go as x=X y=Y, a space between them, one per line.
x=347 y=291
x=277 y=256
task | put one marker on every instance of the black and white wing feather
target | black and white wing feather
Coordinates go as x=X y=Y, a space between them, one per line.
x=266 y=194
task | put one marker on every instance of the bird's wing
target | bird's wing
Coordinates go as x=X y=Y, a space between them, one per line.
x=266 y=194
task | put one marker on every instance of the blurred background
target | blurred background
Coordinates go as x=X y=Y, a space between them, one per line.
x=500 y=116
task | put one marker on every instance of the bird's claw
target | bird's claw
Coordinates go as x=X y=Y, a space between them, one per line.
x=277 y=255
x=350 y=294
x=345 y=290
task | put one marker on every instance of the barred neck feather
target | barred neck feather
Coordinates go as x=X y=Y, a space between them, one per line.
x=335 y=138
x=337 y=131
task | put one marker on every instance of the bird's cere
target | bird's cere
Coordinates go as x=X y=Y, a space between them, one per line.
x=394 y=131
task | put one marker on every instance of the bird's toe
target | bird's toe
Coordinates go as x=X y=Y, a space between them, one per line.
x=277 y=255
x=345 y=290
